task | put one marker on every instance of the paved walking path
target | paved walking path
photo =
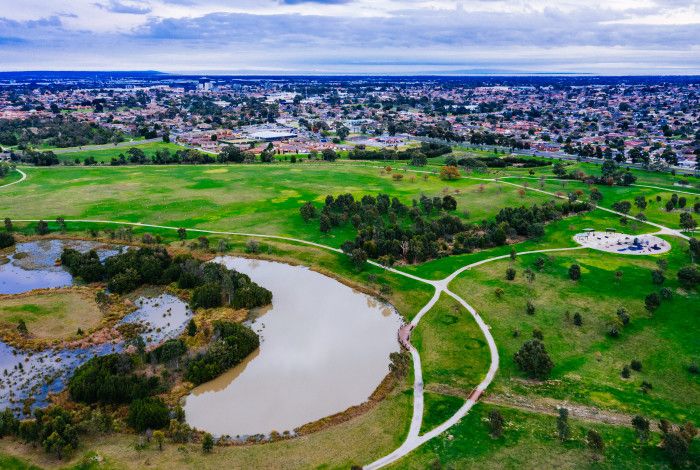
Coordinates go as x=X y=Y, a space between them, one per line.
x=24 y=177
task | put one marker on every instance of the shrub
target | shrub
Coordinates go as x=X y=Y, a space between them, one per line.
x=235 y=342
x=109 y=379
x=636 y=365
x=532 y=358
x=652 y=301
x=530 y=308
x=575 y=272
x=6 y=239
x=510 y=274
x=148 y=413
x=689 y=276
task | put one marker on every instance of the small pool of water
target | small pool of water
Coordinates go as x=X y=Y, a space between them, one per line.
x=324 y=347
x=32 y=265
x=25 y=374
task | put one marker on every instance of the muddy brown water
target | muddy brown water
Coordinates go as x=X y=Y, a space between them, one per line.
x=324 y=347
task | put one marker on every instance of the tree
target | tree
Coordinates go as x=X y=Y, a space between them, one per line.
x=22 y=327
x=563 y=424
x=307 y=211
x=530 y=308
x=689 y=276
x=358 y=256
x=325 y=224
x=575 y=272
x=159 y=437
x=329 y=155
x=652 y=301
x=532 y=358
x=191 y=327
x=657 y=277
x=42 y=228
x=676 y=446
x=595 y=442
x=687 y=221
x=8 y=224
x=148 y=413
x=449 y=203
x=641 y=427
x=496 y=423
x=449 y=172
x=510 y=274
x=181 y=233
x=207 y=443
x=6 y=239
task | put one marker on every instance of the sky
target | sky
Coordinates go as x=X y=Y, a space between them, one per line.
x=461 y=37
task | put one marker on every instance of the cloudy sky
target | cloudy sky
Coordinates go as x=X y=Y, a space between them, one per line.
x=353 y=36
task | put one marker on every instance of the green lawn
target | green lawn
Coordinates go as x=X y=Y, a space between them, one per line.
x=587 y=361
x=530 y=441
x=258 y=198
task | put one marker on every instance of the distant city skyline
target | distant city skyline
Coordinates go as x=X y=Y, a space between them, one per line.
x=296 y=37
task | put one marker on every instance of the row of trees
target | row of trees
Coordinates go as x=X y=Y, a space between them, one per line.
x=58 y=131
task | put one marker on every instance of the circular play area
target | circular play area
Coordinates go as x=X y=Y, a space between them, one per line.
x=614 y=242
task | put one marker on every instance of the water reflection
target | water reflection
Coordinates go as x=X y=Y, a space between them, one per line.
x=324 y=348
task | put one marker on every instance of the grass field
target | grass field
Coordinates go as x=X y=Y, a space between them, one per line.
x=587 y=361
x=54 y=315
x=530 y=441
x=263 y=199
x=106 y=155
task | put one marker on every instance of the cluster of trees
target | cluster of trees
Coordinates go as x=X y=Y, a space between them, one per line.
x=213 y=284
x=502 y=162
x=388 y=230
x=111 y=379
x=232 y=343
x=53 y=429
x=37 y=158
x=417 y=156
x=611 y=174
x=58 y=131
x=4 y=169
x=136 y=156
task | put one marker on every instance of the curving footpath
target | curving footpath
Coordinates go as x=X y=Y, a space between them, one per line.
x=414 y=439
x=24 y=177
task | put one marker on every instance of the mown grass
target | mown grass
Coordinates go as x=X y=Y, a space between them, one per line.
x=530 y=441
x=587 y=361
x=452 y=348
x=257 y=198
x=437 y=409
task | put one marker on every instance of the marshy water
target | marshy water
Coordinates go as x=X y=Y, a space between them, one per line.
x=324 y=347
x=32 y=265
x=35 y=374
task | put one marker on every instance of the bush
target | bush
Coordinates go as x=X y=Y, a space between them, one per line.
x=575 y=272
x=109 y=379
x=532 y=358
x=510 y=274
x=206 y=296
x=171 y=349
x=235 y=342
x=6 y=239
x=148 y=413
x=689 y=277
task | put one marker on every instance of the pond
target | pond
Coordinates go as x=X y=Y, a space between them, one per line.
x=324 y=347
x=32 y=265
x=26 y=374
